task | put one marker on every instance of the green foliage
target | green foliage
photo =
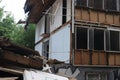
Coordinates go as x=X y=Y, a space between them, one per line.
x=24 y=37
x=16 y=33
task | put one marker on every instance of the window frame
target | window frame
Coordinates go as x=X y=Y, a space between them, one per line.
x=103 y=37
x=105 y=6
x=99 y=73
x=78 y=26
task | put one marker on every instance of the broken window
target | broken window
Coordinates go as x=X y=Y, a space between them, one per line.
x=64 y=17
x=114 y=40
x=81 y=38
x=98 y=39
x=82 y=3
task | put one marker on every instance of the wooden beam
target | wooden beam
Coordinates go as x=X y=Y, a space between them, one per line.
x=11 y=70
x=19 y=59
x=9 y=78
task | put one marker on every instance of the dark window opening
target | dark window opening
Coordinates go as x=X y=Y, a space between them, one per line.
x=45 y=49
x=98 y=4
x=114 y=40
x=64 y=17
x=98 y=39
x=81 y=3
x=81 y=36
x=91 y=3
x=47 y=24
x=111 y=4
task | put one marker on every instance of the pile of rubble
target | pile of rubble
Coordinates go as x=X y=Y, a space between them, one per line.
x=14 y=60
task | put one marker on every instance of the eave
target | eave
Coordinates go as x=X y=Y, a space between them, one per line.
x=35 y=9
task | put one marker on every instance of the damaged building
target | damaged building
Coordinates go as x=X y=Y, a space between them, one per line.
x=85 y=34
x=14 y=60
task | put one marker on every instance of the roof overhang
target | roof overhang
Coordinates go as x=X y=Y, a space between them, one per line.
x=35 y=9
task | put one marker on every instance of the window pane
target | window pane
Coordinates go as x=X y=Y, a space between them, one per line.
x=81 y=38
x=98 y=4
x=110 y=4
x=81 y=3
x=98 y=39
x=107 y=40
x=114 y=40
x=91 y=3
x=91 y=39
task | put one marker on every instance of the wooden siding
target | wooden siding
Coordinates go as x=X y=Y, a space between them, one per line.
x=84 y=57
x=97 y=16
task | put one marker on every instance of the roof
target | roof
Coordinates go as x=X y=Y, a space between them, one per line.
x=35 y=9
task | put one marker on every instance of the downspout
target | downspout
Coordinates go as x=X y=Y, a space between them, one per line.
x=72 y=31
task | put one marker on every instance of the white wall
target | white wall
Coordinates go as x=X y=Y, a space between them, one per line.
x=69 y=10
x=60 y=45
x=57 y=15
x=39 y=30
x=60 y=41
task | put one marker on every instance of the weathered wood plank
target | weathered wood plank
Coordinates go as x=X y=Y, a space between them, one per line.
x=93 y=16
x=111 y=60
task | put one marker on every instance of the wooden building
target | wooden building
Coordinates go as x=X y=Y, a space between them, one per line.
x=83 y=33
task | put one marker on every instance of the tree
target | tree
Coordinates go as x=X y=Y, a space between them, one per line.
x=24 y=37
x=16 y=33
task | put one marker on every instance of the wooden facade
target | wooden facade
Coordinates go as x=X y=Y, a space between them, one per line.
x=96 y=57
x=100 y=58
x=110 y=18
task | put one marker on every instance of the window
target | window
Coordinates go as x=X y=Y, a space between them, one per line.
x=96 y=76
x=64 y=17
x=45 y=48
x=98 y=4
x=81 y=38
x=98 y=39
x=82 y=3
x=114 y=40
x=110 y=5
x=47 y=24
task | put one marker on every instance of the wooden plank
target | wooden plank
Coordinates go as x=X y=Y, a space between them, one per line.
x=101 y=17
x=85 y=15
x=11 y=70
x=18 y=59
x=116 y=19
x=117 y=59
x=95 y=60
x=111 y=58
x=78 y=14
x=109 y=18
x=85 y=57
x=93 y=16
x=102 y=58
x=78 y=57
x=9 y=78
